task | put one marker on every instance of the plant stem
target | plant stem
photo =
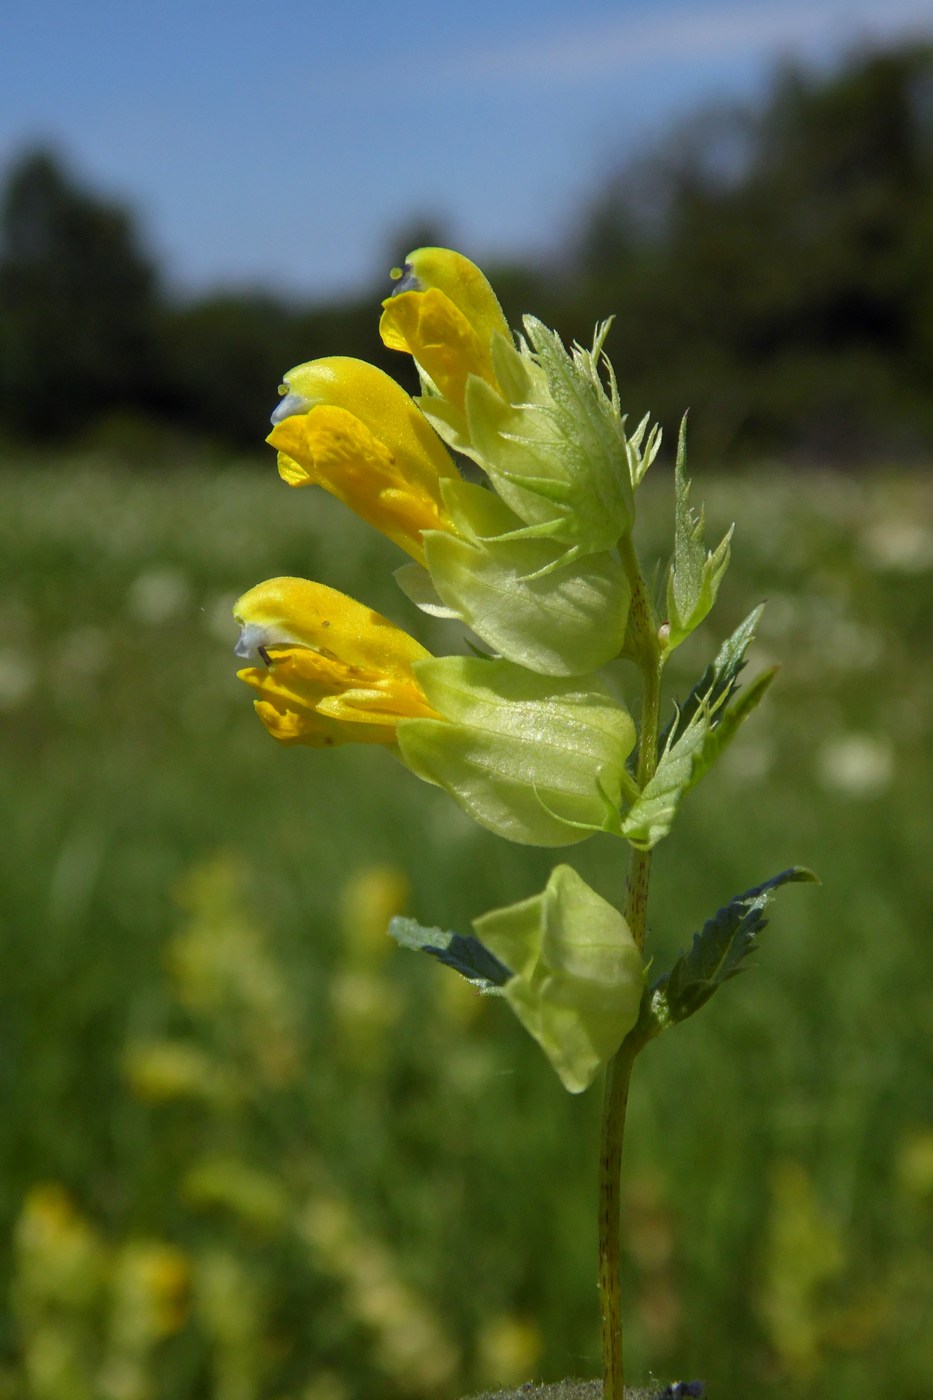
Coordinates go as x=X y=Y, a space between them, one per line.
x=615 y=1102
x=643 y=631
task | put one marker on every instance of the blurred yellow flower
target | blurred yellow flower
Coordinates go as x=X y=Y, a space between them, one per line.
x=150 y=1287
x=509 y=1349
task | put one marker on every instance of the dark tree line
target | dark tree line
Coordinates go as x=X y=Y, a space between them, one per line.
x=770 y=268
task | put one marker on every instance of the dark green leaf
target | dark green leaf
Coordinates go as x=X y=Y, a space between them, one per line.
x=464 y=953
x=718 y=951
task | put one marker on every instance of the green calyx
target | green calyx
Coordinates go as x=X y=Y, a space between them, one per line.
x=577 y=975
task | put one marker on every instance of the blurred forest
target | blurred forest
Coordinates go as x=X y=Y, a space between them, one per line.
x=770 y=269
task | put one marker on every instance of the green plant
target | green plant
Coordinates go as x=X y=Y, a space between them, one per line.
x=533 y=735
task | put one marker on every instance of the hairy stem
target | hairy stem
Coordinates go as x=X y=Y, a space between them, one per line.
x=643 y=631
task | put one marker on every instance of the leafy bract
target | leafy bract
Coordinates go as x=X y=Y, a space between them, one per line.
x=687 y=757
x=552 y=441
x=537 y=759
x=578 y=975
x=718 y=681
x=640 y=458
x=717 y=952
x=695 y=573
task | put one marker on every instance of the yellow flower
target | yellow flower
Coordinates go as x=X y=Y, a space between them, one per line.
x=346 y=426
x=330 y=670
x=445 y=314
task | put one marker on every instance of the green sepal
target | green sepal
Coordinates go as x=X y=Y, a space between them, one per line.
x=447 y=420
x=717 y=952
x=566 y=623
x=532 y=758
x=695 y=574
x=519 y=379
x=578 y=975
x=718 y=681
x=518 y=449
x=686 y=759
x=415 y=582
x=523 y=598
x=464 y=953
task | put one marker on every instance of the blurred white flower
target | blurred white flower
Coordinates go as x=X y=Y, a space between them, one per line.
x=855 y=765
x=158 y=595
x=899 y=545
x=18 y=676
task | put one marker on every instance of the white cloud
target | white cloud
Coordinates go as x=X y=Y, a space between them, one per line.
x=592 y=51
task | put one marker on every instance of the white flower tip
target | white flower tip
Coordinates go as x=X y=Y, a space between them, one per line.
x=290 y=405
x=405 y=279
x=252 y=643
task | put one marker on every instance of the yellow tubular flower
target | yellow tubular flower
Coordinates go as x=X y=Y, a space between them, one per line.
x=445 y=315
x=328 y=669
x=346 y=426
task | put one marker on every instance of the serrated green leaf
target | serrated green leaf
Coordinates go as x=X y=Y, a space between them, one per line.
x=695 y=574
x=688 y=756
x=464 y=953
x=650 y=818
x=718 y=681
x=726 y=722
x=718 y=951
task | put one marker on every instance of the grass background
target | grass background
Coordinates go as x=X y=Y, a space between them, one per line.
x=250 y=1149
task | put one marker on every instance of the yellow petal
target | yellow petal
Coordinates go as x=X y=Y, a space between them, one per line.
x=445 y=315
x=439 y=337
x=462 y=282
x=330 y=447
x=362 y=438
x=331 y=670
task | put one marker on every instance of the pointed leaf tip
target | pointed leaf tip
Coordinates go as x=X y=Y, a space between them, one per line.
x=463 y=952
x=718 y=951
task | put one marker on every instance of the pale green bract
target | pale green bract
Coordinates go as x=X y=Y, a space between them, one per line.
x=578 y=976
x=521 y=596
x=551 y=440
x=695 y=573
x=539 y=760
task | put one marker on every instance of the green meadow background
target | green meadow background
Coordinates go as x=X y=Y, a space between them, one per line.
x=250 y=1149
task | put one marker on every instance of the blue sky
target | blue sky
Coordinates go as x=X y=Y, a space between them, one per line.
x=288 y=146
